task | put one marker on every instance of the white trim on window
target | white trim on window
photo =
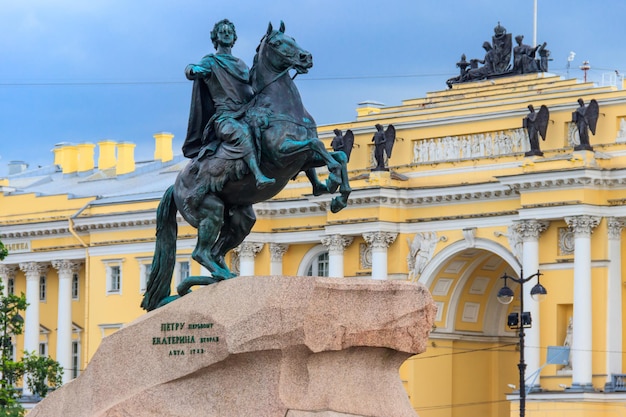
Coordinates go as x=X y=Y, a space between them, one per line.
x=114 y=276
x=311 y=258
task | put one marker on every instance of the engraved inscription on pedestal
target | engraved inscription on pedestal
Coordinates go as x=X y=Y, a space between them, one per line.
x=183 y=339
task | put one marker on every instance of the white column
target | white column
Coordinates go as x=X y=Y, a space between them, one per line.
x=6 y=272
x=379 y=241
x=247 y=252
x=529 y=231
x=66 y=270
x=336 y=245
x=614 y=299
x=582 y=333
x=33 y=271
x=277 y=251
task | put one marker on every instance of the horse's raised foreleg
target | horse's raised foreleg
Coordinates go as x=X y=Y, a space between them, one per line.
x=211 y=213
x=319 y=187
x=290 y=146
x=341 y=201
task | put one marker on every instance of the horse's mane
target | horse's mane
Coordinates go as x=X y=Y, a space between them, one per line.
x=255 y=60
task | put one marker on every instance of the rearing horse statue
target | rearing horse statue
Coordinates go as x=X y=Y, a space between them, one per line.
x=223 y=215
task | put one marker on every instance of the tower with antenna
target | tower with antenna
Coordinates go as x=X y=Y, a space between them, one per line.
x=585 y=67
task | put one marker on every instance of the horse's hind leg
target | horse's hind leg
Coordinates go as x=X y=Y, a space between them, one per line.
x=211 y=214
x=237 y=225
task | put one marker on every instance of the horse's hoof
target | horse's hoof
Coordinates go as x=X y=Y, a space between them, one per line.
x=168 y=300
x=332 y=184
x=337 y=204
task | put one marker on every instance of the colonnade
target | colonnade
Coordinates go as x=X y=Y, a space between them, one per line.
x=379 y=242
x=33 y=271
x=582 y=335
x=336 y=245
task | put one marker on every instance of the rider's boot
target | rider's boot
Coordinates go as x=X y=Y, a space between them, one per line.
x=261 y=180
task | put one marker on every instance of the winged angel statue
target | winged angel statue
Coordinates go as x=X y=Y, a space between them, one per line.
x=420 y=252
x=383 y=143
x=343 y=143
x=586 y=118
x=536 y=124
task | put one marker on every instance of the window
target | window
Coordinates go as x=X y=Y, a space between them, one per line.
x=75 y=287
x=145 y=270
x=314 y=262
x=75 y=359
x=114 y=276
x=183 y=271
x=116 y=279
x=43 y=349
x=319 y=266
x=42 y=288
x=11 y=286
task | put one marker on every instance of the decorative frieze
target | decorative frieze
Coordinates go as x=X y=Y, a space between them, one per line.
x=481 y=145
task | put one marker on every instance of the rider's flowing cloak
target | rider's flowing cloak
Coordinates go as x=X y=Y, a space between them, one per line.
x=232 y=76
x=199 y=115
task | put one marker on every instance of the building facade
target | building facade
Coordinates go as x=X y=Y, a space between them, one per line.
x=460 y=206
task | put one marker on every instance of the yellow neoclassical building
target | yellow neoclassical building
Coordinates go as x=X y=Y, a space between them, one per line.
x=461 y=206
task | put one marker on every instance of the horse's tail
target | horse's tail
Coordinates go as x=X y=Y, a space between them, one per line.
x=163 y=262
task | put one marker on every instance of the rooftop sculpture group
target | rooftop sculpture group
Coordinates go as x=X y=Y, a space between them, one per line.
x=248 y=135
x=497 y=59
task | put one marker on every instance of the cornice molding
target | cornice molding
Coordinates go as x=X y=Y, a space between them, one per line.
x=565 y=179
x=27 y=230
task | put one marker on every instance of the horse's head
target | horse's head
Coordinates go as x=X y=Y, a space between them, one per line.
x=281 y=52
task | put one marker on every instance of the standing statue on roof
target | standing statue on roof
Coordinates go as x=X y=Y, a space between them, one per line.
x=586 y=119
x=343 y=143
x=221 y=92
x=536 y=124
x=544 y=57
x=383 y=144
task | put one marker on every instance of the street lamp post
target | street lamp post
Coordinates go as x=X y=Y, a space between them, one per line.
x=521 y=321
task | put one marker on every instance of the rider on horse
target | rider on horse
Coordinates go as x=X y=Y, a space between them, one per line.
x=219 y=101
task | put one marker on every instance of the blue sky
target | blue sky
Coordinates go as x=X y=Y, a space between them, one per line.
x=82 y=71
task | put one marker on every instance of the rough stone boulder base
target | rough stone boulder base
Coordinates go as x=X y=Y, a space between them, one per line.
x=265 y=346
